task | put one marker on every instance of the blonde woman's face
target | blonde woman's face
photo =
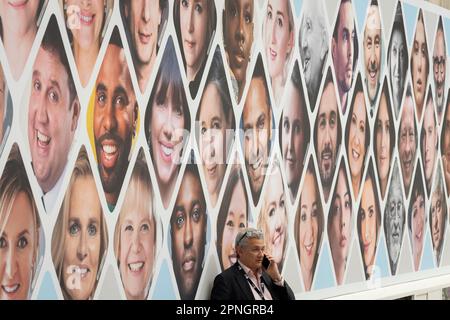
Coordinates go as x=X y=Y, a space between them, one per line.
x=137 y=248
x=275 y=218
x=17 y=250
x=82 y=238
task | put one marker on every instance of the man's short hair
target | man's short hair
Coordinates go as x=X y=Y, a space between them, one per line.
x=52 y=43
x=248 y=233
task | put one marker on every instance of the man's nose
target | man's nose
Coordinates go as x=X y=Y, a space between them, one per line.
x=146 y=11
x=110 y=121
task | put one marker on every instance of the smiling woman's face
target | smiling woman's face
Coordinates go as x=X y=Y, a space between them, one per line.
x=236 y=221
x=82 y=240
x=17 y=248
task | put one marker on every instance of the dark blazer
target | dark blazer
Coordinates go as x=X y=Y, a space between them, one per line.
x=232 y=285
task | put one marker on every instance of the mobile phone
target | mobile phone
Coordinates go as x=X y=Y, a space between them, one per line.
x=265 y=262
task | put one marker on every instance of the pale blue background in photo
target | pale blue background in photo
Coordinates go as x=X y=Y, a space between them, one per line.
x=163 y=287
x=324 y=272
x=409 y=18
x=381 y=260
x=47 y=290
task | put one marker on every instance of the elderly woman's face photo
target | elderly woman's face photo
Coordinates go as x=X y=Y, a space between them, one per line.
x=383 y=141
x=137 y=246
x=407 y=142
x=308 y=238
x=395 y=216
x=340 y=223
x=293 y=144
x=212 y=142
x=429 y=142
x=167 y=125
x=82 y=240
x=90 y=15
x=238 y=35
x=278 y=36
x=356 y=148
x=274 y=217
x=372 y=51
x=398 y=62
x=368 y=219
x=419 y=65
x=437 y=218
x=17 y=249
x=194 y=25
x=235 y=221
x=417 y=227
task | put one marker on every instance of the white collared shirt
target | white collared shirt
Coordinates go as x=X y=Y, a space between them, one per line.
x=50 y=197
x=256 y=279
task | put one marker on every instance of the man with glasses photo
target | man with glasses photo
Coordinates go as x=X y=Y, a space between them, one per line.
x=248 y=279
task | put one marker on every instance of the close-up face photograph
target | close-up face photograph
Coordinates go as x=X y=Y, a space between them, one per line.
x=215 y=127
x=445 y=146
x=135 y=235
x=438 y=216
x=314 y=46
x=188 y=233
x=195 y=25
x=115 y=119
x=53 y=112
x=80 y=237
x=86 y=21
x=429 y=142
x=417 y=219
x=340 y=224
x=309 y=226
x=273 y=218
x=238 y=27
x=407 y=141
x=294 y=132
x=420 y=65
x=368 y=223
x=278 y=43
x=19 y=22
x=344 y=50
x=327 y=134
x=384 y=138
x=257 y=128
x=394 y=219
x=19 y=232
x=439 y=69
x=397 y=59
x=373 y=48
x=232 y=218
x=167 y=121
x=143 y=21
x=357 y=139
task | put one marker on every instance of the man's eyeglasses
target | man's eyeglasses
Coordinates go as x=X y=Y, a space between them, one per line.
x=249 y=234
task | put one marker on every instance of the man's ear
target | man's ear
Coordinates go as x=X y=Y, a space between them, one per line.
x=75 y=114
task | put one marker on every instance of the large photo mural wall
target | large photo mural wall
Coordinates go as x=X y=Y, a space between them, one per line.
x=139 y=137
